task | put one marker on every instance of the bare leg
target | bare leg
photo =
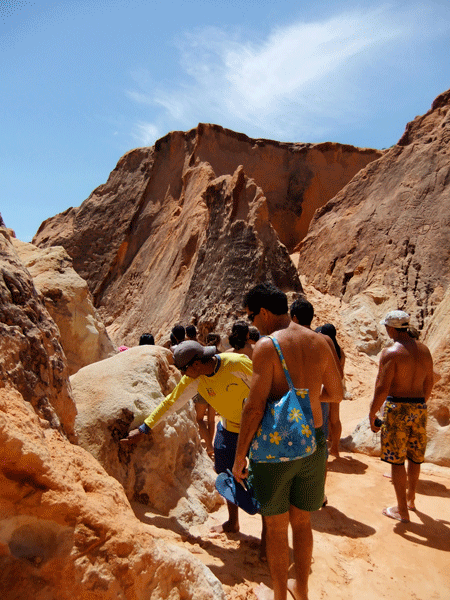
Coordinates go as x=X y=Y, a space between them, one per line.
x=303 y=546
x=335 y=428
x=277 y=548
x=200 y=410
x=211 y=426
x=399 y=480
x=263 y=547
x=413 y=478
x=232 y=525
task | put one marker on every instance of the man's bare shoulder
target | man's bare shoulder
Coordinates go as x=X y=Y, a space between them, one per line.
x=295 y=333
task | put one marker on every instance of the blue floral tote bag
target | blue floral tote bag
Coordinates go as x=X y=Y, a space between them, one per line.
x=286 y=431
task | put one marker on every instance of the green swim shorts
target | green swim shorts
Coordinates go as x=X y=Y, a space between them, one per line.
x=300 y=482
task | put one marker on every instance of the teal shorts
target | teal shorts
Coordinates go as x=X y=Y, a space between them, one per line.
x=300 y=483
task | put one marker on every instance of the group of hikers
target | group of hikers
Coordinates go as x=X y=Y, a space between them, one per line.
x=250 y=384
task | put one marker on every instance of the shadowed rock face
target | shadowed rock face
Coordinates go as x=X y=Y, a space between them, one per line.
x=390 y=226
x=32 y=360
x=193 y=222
x=67 y=299
x=67 y=530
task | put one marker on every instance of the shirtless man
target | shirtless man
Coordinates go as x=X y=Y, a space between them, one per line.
x=311 y=366
x=405 y=381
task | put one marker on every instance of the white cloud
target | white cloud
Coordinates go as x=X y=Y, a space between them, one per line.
x=290 y=84
x=146 y=134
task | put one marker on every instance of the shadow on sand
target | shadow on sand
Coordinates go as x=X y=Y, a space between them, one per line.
x=333 y=521
x=433 y=533
x=347 y=464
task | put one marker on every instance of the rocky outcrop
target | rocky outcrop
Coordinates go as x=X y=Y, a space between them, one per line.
x=170 y=472
x=181 y=229
x=66 y=296
x=437 y=336
x=382 y=243
x=390 y=225
x=67 y=531
x=32 y=360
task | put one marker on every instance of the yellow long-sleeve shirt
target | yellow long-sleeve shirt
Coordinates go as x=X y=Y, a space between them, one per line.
x=225 y=391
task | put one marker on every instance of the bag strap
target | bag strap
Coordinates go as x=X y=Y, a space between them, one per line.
x=283 y=362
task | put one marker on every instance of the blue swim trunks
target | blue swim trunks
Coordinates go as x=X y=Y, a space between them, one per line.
x=225 y=443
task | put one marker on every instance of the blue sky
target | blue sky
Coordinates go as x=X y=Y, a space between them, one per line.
x=84 y=81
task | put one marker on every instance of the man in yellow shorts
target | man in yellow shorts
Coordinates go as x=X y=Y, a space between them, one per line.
x=405 y=381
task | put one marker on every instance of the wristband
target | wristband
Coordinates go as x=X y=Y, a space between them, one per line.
x=144 y=428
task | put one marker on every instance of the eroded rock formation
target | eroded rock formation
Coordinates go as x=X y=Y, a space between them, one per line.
x=169 y=472
x=32 y=360
x=390 y=226
x=180 y=230
x=67 y=530
x=83 y=336
x=384 y=243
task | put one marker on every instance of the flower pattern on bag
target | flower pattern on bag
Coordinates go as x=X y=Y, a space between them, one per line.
x=287 y=429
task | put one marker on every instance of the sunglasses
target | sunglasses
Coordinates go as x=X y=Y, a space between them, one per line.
x=251 y=316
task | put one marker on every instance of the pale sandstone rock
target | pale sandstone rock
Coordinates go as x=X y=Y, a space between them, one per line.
x=437 y=337
x=67 y=531
x=83 y=336
x=66 y=528
x=32 y=360
x=171 y=473
x=390 y=225
x=387 y=231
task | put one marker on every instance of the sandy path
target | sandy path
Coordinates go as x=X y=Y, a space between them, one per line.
x=358 y=553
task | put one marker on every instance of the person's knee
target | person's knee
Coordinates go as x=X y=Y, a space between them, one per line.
x=276 y=524
x=299 y=518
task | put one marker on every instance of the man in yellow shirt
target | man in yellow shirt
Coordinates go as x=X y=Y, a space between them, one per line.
x=223 y=381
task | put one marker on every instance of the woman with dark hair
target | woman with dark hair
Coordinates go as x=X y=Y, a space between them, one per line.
x=238 y=339
x=334 y=420
x=146 y=339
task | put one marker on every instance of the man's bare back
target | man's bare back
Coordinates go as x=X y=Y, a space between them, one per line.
x=310 y=364
x=413 y=367
x=405 y=371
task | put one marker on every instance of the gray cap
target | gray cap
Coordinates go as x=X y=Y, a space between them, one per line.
x=398 y=319
x=187 y=351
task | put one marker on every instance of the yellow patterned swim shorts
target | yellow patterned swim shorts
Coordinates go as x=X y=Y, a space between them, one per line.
x=404 y=432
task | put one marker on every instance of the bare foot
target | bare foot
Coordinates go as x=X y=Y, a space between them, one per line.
x=227 y=527
x=262 y=592
x=293 y=589
x=334 y=452
x=393 y=513
x=410 y=501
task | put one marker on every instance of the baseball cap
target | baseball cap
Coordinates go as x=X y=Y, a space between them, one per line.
x=397 y=319
x=188 y=351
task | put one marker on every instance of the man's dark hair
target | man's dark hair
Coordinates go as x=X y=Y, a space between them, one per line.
x=213 y=339
x=253 y=334
x=146 y=339
x=268 y=296
x=191 y=331
x=239 y=334
x=303 y=310
x=179 y=333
